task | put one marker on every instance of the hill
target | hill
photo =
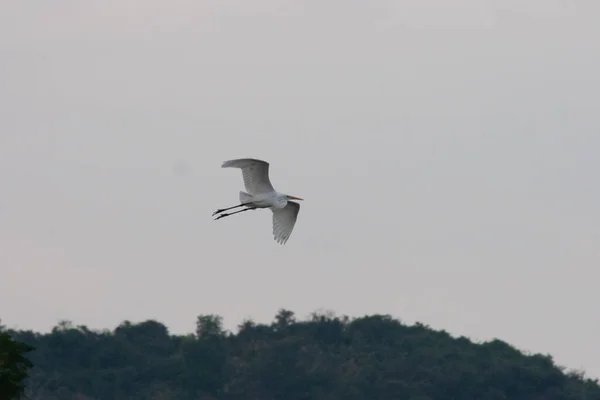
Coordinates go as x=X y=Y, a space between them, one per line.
x=324 y=357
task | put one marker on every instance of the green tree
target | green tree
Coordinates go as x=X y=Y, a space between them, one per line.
x=14 y=367
x=209 y=326
x=283 y=319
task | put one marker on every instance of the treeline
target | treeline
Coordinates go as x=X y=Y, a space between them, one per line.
x=324 y=357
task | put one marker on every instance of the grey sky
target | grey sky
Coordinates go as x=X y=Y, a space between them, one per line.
x=447 y=152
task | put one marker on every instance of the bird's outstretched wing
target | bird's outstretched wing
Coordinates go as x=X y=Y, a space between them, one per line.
x=284 y=220
x=255 y=174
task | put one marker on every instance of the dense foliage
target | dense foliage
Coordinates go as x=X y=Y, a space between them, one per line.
x=324 y=357
x=14 y=366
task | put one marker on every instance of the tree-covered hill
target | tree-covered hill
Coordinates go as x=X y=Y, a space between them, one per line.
x=322 y=358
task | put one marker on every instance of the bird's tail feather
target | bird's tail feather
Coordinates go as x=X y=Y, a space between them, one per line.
x=245 y=197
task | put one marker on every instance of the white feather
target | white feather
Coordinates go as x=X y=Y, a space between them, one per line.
x=255 y=174
x=284 y=220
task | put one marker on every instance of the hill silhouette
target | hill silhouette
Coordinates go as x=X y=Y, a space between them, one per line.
x=323 y=357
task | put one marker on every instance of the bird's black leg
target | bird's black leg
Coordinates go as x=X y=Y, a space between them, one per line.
x=229 y=208
x=228 y=214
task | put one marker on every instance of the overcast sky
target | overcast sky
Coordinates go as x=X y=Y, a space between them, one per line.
x=448 y=153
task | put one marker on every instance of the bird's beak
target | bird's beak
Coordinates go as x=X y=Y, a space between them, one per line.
x=295 y=198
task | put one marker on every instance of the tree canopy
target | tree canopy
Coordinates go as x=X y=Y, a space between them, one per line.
x=323 y=357
x=14 y=366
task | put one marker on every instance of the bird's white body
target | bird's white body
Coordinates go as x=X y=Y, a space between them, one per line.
x=264 y=200
x=261 y=194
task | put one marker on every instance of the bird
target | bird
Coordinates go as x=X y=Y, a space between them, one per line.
x=261 y=194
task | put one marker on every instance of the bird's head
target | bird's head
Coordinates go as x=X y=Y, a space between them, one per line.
x=288 y=197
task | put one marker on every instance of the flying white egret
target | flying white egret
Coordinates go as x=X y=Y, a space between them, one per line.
x=260 y=194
